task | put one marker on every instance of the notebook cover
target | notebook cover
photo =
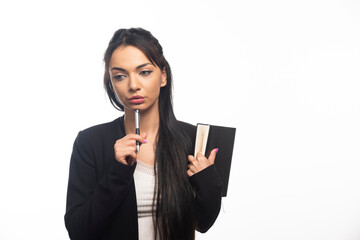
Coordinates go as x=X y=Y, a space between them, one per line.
x=222 y=138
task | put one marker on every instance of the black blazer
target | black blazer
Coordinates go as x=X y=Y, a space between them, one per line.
x=101 y=200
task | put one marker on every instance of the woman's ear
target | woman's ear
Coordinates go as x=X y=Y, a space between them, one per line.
x=163 y=78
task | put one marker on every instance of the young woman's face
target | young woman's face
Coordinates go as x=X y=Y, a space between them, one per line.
x=135 y=80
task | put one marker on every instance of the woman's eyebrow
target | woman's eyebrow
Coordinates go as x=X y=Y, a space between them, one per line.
x=142 y=65
x=118 y=69
x=137 y=68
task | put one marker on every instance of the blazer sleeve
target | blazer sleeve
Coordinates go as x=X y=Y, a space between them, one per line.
x=92 y=201
x=208 y=188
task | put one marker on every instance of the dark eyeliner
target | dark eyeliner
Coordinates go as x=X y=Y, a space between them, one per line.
x=118 y=77
x=146 y=72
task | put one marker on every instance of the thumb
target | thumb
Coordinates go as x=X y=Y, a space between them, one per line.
x=213 y=155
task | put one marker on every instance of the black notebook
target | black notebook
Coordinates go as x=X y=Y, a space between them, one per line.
x=209 y=137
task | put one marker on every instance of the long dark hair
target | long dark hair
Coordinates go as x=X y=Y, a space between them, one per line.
x=173 y=217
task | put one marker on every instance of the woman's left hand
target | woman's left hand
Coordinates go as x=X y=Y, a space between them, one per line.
x=200 y=162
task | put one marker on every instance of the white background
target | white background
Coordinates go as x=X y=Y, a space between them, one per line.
x=284 y=73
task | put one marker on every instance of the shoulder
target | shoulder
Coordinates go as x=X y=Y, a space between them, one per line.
x=101 y=129
x=101 y=132
x=188 y=128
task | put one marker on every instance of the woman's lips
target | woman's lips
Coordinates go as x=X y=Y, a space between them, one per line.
x=136 y=99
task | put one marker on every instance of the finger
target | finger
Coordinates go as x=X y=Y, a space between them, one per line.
x=193 y=169
x=137 y=137
x=125 y=153
x=133 y=154
x=213 y=155
x=132 y=158
x=189 y=173
x=125 y=149
x=199 y=155
x=191 y=158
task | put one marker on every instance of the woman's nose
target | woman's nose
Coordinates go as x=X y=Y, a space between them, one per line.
x=134 y=84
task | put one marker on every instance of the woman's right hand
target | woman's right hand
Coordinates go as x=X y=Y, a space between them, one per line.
x=125 y=148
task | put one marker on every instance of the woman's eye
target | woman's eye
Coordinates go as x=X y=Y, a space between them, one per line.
x=119 y=77
x=145 y=72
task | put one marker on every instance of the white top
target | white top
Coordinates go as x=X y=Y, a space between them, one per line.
x=144 y=177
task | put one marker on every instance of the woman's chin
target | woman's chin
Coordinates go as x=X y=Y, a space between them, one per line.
x=140 y=107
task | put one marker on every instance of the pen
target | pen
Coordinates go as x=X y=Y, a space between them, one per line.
x=137 y=128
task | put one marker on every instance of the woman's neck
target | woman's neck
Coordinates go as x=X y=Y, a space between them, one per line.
x=149 y=120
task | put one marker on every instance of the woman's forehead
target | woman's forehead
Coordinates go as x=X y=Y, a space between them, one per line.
x=128 y=57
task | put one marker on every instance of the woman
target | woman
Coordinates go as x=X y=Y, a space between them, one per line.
x=161 y=192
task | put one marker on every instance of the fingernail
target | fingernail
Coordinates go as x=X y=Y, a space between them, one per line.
x=145 y=141
x=216 y=150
